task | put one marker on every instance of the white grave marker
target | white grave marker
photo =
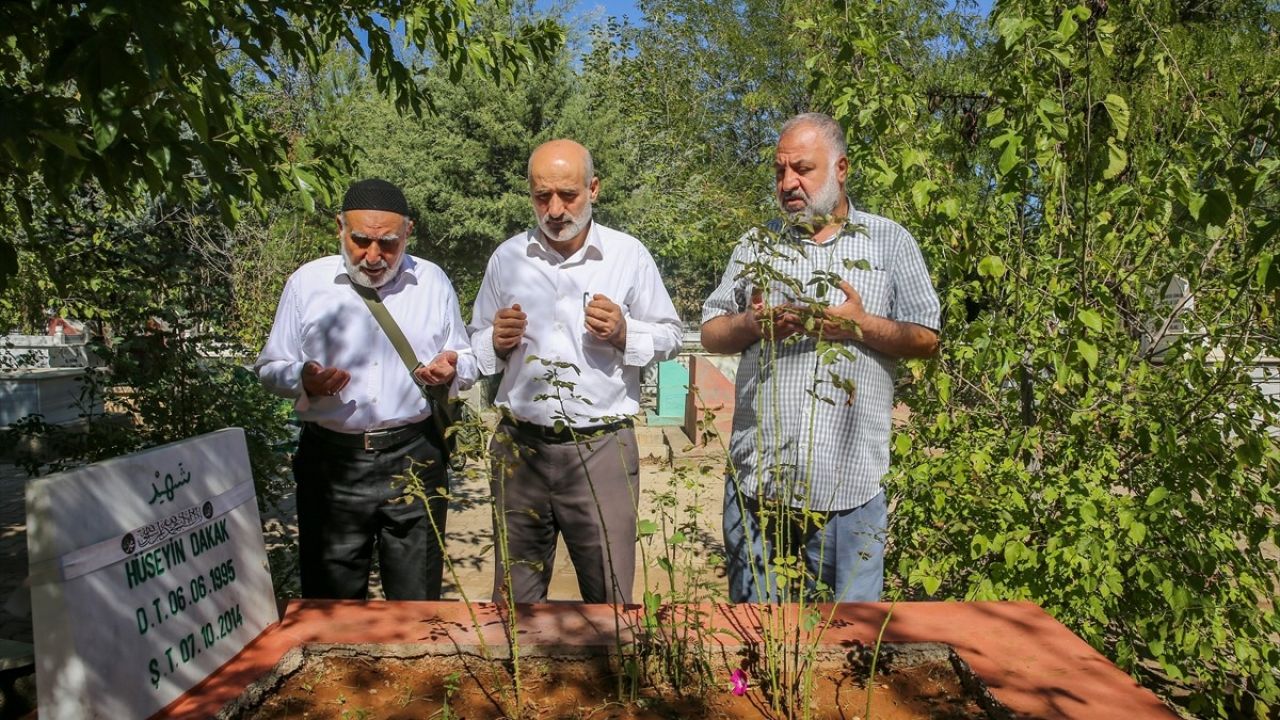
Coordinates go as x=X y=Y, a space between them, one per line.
x=148 y=572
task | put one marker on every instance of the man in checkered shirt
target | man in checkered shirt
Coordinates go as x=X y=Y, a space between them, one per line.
x=821 y=308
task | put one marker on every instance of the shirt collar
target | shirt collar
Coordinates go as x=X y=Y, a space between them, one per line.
x=592 y=248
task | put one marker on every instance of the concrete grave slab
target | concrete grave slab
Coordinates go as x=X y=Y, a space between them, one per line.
x=1032 y=665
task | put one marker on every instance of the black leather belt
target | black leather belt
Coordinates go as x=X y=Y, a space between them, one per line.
x=374 y=440
x=565 y=434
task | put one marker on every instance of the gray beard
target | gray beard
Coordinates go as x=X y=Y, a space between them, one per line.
x=357 y=272
x=822 y=205
x=567 y=232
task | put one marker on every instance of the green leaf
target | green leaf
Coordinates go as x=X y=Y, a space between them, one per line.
x=1012 y=551
x=810 y=619
x=1156 y=496
x=930 y=584
x=1012 y=29
x=66 y=142
x=950 y=207
x=901 y=443
x=1068 y=26
x=1089 y=352
x=1137 y=532
x=1090 y=319
x=914 y=156
x=105 y=132
x=1049 y=106
x=1118 y=109
x=1061 y=57
x=921 y=191
x=645 y=528
x=1010 y=157
x=1265 y=277
x=1216 y=208
x=991 y=266
x=978 y=546
x=160 y=156
x=995 y=116
x=1117 y=160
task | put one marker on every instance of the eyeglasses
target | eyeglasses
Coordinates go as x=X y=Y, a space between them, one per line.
x=386 y=243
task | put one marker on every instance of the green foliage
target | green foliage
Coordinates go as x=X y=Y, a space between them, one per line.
x=463 y=169
x=153 y=284
x=1068 y=448
x=686 y=109
x=147 y=96
x=675 y=641
x=1093 y=184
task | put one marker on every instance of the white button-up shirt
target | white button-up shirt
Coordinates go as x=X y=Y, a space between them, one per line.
x=553 y=291
x=321 y=318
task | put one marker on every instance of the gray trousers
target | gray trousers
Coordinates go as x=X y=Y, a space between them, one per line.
x=588 y=491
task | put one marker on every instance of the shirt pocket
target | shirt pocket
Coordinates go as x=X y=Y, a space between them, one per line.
x=873 y=287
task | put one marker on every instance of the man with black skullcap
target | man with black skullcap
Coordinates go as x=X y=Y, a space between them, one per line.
x=365 y=418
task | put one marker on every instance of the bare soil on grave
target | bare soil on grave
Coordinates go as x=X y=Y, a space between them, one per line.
x=461 y=687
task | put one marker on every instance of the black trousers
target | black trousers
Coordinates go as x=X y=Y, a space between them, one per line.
x=351 y=501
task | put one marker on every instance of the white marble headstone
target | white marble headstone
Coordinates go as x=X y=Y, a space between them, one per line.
x=148 y=573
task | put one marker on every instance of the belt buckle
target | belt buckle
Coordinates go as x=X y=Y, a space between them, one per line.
x=371 y=439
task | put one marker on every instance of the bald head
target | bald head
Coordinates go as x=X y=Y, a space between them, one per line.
x=563 y=151
x=562 y=186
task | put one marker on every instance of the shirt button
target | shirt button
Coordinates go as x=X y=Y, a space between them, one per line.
x=374 y=401
x=559 y=326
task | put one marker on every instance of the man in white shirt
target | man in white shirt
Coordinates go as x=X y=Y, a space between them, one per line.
x=365 y=419
x=569 y=311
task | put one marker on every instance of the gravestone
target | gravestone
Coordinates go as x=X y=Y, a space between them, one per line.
x=673 y=385
x=148 y=572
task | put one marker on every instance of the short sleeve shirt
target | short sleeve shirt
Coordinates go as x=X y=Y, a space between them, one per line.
x=811 y=424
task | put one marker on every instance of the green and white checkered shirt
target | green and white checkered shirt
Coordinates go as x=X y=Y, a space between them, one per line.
x=797 y=433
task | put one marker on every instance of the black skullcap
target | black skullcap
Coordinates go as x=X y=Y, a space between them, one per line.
x=375 y=194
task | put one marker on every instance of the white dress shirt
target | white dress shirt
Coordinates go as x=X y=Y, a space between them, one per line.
x=321 y=318
x=553 y=291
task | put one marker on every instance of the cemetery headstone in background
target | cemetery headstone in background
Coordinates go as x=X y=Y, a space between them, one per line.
x=148 y=572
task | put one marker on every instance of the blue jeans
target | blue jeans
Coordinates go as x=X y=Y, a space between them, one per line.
x=843 y=550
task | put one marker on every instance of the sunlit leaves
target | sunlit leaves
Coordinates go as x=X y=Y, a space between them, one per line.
x=147 y=99
x=1117 y=161
x=1090 y=319
x=1119 y=112
x=991 y=266
x=1092 y=156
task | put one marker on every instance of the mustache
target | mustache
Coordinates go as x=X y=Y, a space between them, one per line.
x=796 y=194
x=380 y=265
